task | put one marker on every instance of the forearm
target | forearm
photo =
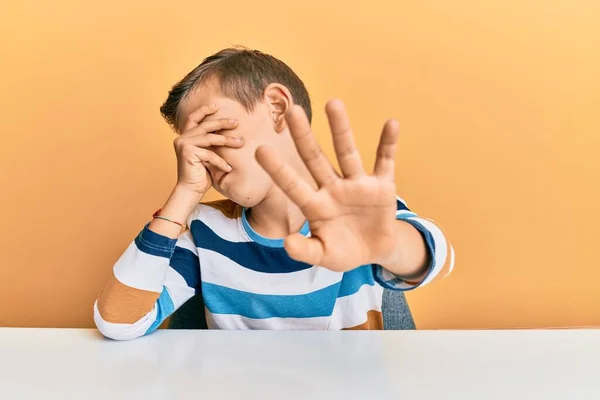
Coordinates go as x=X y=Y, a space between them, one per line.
x=125 y=308
x=153 y=278
x=410 y=258
x=135 y=300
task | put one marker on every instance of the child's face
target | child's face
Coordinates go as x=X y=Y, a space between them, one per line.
x=247 y=184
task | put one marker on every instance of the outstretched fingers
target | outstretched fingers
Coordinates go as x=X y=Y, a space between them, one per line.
x=284 y=176
x=345 y=149
x=308 y=148
x=386 y=151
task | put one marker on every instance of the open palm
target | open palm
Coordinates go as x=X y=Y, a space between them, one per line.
x=352 y=216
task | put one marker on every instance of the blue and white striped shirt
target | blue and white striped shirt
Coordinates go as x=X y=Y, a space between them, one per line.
x=247 y=281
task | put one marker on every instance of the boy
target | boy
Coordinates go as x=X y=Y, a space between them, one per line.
x=243 y=119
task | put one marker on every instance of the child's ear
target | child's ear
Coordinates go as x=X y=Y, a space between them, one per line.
x=278 y=99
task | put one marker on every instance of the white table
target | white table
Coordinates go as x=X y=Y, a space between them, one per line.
x=80 y=364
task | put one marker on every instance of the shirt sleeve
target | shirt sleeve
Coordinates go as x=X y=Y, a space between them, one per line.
x=154 y=277
x=440 y=251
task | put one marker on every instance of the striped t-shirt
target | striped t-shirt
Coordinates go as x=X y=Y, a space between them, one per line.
x=247 y=281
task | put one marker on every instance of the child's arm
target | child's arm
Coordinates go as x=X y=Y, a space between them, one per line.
x=421 y=245
x=356 y=219
x=158 y=272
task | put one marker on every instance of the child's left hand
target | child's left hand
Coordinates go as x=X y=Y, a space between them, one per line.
x=352 y=217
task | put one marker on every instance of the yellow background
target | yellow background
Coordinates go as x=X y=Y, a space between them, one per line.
x=498 y=100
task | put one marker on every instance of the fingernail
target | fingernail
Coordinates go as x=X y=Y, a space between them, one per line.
x=233 y=121
x=212 y=105
x=229 y=167
x=238 y=140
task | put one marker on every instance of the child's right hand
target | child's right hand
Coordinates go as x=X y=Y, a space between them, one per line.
x=192 y=151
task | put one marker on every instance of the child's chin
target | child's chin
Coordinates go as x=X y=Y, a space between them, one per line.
x=243 y=199
x=235 y=190
x=236 y=197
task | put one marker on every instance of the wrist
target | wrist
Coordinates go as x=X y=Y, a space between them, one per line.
x=187 y=192
x=177 y=208
x=181 y=203
x=409 y=258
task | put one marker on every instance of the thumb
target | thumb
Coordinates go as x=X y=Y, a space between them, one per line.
x=308 y=250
